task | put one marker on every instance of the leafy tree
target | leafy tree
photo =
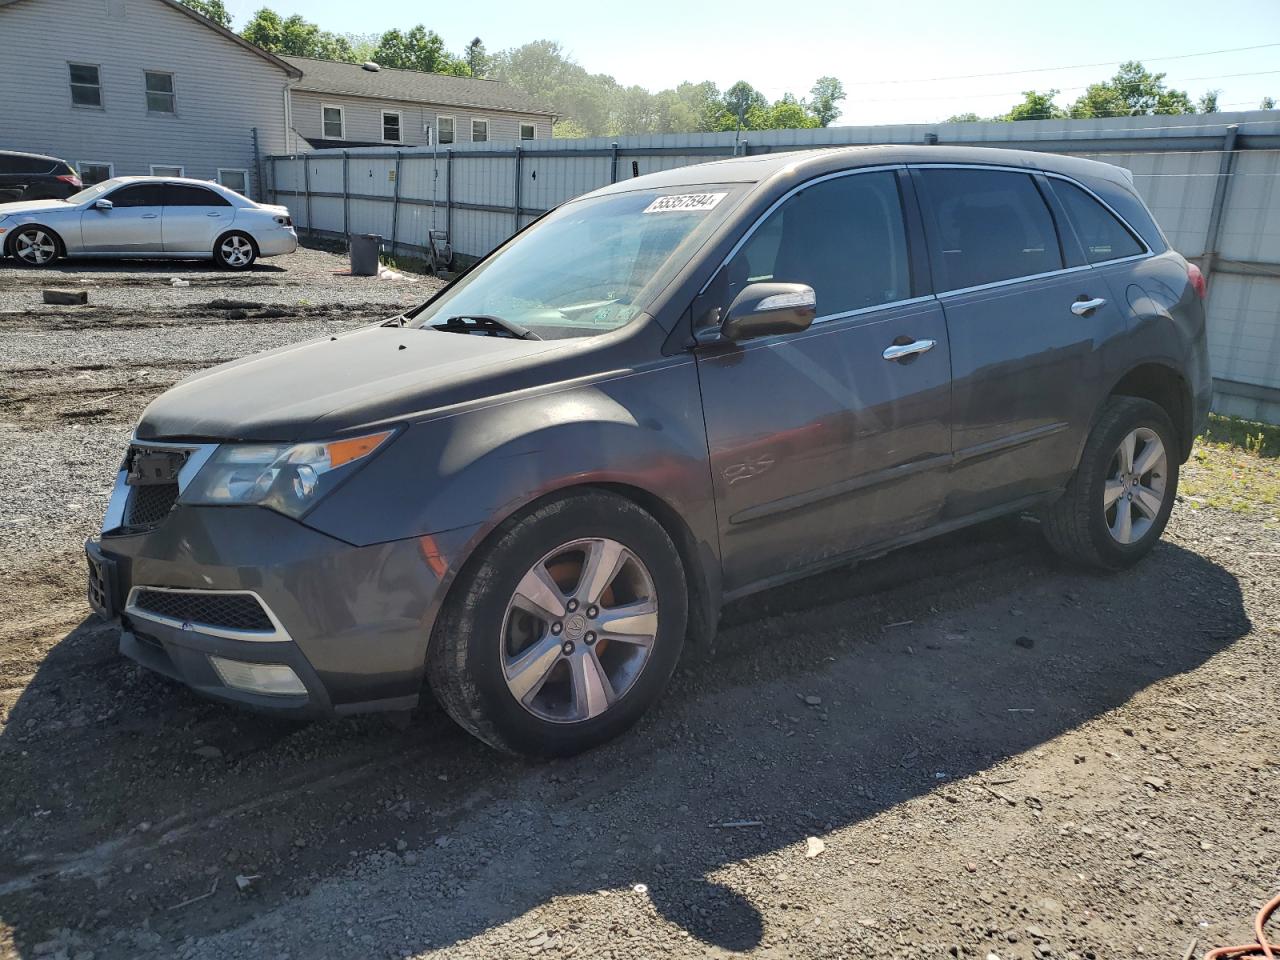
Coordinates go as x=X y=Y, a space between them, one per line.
x=295 y=37
x=1268 y=103
x=969 y=117
x=742 y=104
x=1209 y=102
x=414 y=49
x=690 y=108
x=570 y=129
x=1133 y=91
x=789 y=114
x=827 y=93
x=1036 y=106
x=541 y=70
x=215 y=10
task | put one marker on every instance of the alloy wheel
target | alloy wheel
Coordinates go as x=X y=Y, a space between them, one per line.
x=579 y=630
x=34 y=247
x=1136 y=485
x=237 y=251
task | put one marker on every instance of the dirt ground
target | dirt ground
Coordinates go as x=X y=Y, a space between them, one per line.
x=985 y=753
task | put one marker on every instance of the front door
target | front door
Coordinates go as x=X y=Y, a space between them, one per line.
x=819 y=444
x=131 y=226
x=193 y=218
x=1026 y=365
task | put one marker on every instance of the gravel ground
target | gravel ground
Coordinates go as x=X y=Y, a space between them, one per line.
x=962 y=749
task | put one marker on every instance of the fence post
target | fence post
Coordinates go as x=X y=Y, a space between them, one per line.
x=346 y=194
x=613 y=166
x=275 y=179
x=448 y=195
x=1214 y=233
x=257 y=168
x=306 y=186
x=518 y=155
x=395 y=206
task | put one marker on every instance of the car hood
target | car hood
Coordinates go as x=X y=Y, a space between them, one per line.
x=31 y=206
x=324 y=388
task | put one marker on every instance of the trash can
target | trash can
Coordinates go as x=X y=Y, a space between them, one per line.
x=364 y=254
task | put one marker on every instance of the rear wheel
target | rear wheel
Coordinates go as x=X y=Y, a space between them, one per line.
x=1119 y=501
x=235 y=251
x=564 y=629
x=35 y=246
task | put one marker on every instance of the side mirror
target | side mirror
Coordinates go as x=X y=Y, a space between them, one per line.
x=766 y=309
x=103 y=204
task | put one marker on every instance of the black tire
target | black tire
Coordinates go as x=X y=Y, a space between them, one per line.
x=1076 y=526
x=34 y=231
x=227 y=251
x=464 y=660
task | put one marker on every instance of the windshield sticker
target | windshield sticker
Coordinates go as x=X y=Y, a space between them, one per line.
x=681 y=202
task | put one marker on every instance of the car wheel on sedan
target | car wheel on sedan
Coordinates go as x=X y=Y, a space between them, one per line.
x=235 y=251
x=563 y=629
x=1117 y=504
x=35 y=246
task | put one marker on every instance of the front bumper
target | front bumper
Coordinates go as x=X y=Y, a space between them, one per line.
x=352 y=623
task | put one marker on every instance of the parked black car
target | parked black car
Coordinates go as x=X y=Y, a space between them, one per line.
x=33 y=176
x=663 y=395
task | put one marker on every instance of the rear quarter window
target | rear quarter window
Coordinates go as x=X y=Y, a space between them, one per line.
x=1102 y=235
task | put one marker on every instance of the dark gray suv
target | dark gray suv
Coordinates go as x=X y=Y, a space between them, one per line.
x=527 y=492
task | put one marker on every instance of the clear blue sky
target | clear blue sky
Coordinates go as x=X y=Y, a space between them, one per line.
x=781 y=47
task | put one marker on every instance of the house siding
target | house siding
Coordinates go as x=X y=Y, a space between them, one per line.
x=362 y=118
x=223 y=91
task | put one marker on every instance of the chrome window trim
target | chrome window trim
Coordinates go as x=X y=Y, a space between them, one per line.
x=198 y=455
x=864 y=310
x=1146 y=247
x=278 y=635
x=1012 y=280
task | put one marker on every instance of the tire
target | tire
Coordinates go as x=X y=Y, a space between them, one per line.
x=526 y=679
x=1081 y=526
x=235 y=251
x=35 y=246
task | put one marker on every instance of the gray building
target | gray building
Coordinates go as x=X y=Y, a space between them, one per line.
x=122 y=87
x=353 y=105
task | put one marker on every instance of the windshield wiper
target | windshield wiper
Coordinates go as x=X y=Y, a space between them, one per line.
x=488 y=325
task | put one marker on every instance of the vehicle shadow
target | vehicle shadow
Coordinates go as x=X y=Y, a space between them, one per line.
x=919 y=669
x=89 y=267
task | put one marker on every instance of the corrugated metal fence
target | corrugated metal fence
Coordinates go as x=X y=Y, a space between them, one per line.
x=1213 y=182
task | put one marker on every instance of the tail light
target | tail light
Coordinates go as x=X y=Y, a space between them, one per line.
x=284 y=221
x=70 y=178
x=1197 y=281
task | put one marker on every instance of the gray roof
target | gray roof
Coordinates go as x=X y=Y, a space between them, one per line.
x=387 y=83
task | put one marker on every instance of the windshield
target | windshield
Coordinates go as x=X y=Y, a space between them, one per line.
x=97 y=190
x=592 y=265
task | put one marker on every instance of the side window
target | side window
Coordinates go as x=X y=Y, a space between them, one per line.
x=1103 y=236
x=181 y=195
x=138 y=195
x=444 y=126
x=986 y=226
x=844 y=237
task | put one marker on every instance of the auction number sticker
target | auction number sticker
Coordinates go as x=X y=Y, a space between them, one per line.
x=681 y=202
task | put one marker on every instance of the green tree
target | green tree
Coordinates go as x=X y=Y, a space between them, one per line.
x=689 y=108
x=541 y=70
x=215 y=10
x=1268 y=103
x=1036 y=106
x=789 y=114
x=1133 y=91
x=969 y=117
x=570 y=129
x=742 y=104
x=414 y=49
x=295 y=37
x=1208 y=103
x=827 y=93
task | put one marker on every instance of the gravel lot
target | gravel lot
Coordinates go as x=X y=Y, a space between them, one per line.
x=991 y=753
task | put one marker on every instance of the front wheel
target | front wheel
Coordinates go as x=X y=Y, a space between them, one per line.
x=235 y=251
x=1119 y=501
x=34 y=247
x=564 y=629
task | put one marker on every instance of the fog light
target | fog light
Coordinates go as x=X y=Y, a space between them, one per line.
x=270 y=678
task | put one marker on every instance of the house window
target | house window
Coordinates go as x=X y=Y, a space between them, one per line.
x=527 y=131
x=94 y=171
x=86 y=85
x=444 y=129
x=160 y=97
x=391 y=125
x=166 y=170
x=479 y=131
x=334 y=123
x=237 y=180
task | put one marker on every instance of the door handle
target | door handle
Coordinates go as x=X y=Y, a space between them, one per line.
x=150 y=216
x=1083 y=307
x=213 y=214
x=900 y=351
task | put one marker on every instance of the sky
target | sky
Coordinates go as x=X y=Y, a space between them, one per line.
x=890 y=55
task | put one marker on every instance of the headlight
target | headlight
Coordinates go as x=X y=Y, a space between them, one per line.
x=289 y=478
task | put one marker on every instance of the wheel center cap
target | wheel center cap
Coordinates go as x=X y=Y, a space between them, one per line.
x=575 y=626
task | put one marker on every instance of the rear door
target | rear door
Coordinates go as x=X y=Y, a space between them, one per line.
x=1026 y=354
x=193 y=218
x=819 y=445
x=131 y=226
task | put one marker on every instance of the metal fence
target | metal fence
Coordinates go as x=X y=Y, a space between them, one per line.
x=1213 y=182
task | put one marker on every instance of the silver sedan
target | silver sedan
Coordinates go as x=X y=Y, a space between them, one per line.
x=148 y=217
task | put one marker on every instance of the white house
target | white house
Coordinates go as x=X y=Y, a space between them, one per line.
x=120 y=87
